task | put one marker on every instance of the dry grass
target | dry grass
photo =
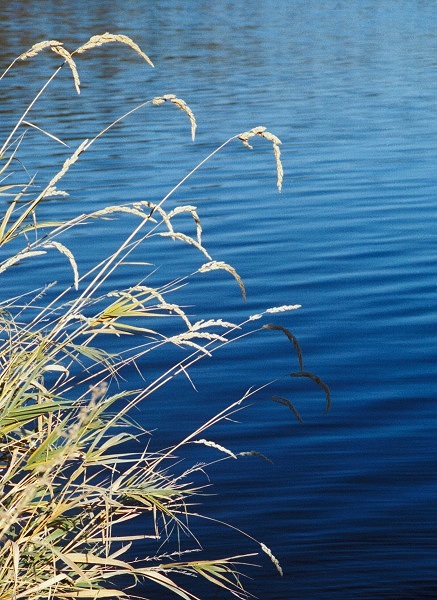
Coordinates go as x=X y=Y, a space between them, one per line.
x=68 y=487
x=215 y=265
x=180 y=104
x=262 y=132
x=107 y=38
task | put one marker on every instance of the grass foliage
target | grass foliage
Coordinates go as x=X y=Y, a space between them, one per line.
x=71 y=481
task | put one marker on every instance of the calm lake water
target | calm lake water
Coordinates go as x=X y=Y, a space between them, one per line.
x=349 y=505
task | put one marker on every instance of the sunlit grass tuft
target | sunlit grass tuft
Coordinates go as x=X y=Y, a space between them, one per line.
x=75 y=469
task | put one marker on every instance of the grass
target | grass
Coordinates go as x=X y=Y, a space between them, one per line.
x=81 y=508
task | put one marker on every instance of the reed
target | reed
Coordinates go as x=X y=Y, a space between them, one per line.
x=68 y=486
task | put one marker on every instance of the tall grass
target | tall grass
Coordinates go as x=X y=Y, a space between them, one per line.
x=72 y=480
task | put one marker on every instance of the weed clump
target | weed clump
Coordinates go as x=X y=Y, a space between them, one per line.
x=69 y=489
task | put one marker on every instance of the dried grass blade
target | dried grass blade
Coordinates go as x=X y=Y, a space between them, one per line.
x=214 y=323
x=220 y=265
x=5 y=219
x=106 y=38
x=16 y=561
x=283 y=308
x=180 y=104
x=269 y=136
x=279 y=168
x=211 y=444
x=67 y=164
x=262 y=132
x=277 y=152
x=273 y=558
x=246 y=135
x=95 y=594
x=100 y=214
x=64 y=250
x=180 y=340
x=37 y=48
x=193 y=212
x=93 y=559
x=63 y=52
x=53 y=137
x=184 y=107
x=33 y=51
x=42 y=586
x=214 y=572
x=19 y=257
x=184 y=238
x=68 y=560
x=168 y=583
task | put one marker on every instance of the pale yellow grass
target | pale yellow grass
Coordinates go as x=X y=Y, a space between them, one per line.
x=262 y=132
x=215 y=265
x=180 y=104
x=107 y=38
x=68 y=485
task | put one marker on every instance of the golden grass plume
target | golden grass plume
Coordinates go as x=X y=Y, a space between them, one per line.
x=262 y=132
x=107 y=38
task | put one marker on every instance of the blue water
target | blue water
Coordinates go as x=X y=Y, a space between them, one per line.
x=349 y=505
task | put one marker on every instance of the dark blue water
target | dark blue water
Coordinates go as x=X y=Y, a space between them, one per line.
x=349 y=505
